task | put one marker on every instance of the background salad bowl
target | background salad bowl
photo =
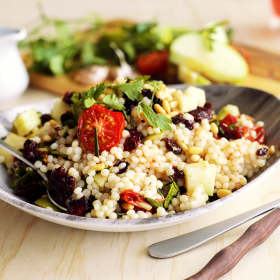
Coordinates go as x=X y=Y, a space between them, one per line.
x=13 y=74
x=258 y=104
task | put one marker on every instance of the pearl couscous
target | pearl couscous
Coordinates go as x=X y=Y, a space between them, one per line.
x=136 y=182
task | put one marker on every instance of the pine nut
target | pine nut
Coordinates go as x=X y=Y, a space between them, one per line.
x=159 y=109
x=222 y=193
x=98 y=167
x=173 y=104
x=195 y=150
x=144 y=205
x=183 y=146
x=172 y=114
x=195 y=158
x=53 y=122
x=146 y=86
x=127 y=206
x=177 y=93
x=46 y=138
x=214 y=128
x=271 y=149
x=163 y=86
x=159 y=93
x=166 y=107
x=169 y=98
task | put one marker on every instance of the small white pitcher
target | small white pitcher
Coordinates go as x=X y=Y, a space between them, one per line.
x=13 y=74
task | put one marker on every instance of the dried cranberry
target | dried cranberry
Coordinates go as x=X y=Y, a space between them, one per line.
x=78 y=207
x=129 y=105
x=30 y=150
x=89 y=207
x=172 y=147
x=183 y=190
x=31 y=190
x=201 y=113
x=157 y=101
x=180 y=119
x=228 y=133
x=45 y=118
x=262 y=152
x=66 y=117
x=67 y=98
x=177 y=174
x=123 y=169
x=133 y=140
x=61 y=185
x=147 y=93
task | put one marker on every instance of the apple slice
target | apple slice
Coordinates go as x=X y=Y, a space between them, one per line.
x=221 y=65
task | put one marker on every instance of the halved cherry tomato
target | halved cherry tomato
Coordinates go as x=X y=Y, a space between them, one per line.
x=136 y=199
x=153 y=63
x=228 y=120
x=260 y=137
x=110 y=126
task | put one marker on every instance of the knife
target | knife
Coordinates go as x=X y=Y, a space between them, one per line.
x=227 y=258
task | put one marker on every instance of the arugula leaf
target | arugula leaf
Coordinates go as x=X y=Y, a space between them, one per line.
x=173 y=192
x=154 y=203
x=45 y=202
x=216 y=122
x=56 y=153
x=132 y=90
x=26 y=178
x=155 y=120
x=112 y=101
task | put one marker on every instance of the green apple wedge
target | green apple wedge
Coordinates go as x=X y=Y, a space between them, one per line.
x=223 y=64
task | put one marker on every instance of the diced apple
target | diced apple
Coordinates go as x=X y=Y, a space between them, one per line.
x=16 y=142
x=228 y=109
x=59 y=108
x=100 y=180
x=26 y=122
x=201 y=173
x=187 y=103
x=198 y=92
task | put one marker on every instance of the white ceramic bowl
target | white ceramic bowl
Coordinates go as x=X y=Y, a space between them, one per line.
x=260 y=105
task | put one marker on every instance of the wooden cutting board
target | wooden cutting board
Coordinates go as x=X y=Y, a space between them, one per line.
x=264 y=75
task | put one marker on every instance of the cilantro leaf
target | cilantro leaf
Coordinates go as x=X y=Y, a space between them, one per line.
x=112 y=101
x=132 y=90
x=163 y=122
x=89 y=102
x=155 y=120
x=150 y=115
x=100 y=89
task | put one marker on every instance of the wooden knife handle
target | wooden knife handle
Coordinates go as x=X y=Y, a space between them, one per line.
x=228 y=258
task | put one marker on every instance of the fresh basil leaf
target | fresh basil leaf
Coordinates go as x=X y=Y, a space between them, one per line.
x=45 y=202
x=112 y=101
x=132 y=90
x=89 y=102
x=154 y=203
x=173 y=192
x=163 y=122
